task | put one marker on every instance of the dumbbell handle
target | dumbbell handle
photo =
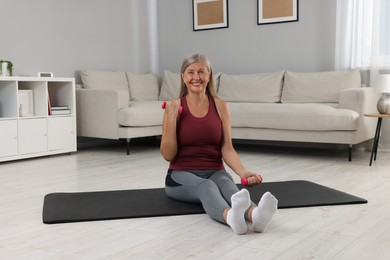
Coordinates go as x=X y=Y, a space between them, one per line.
x=164 y=104
x=244 y=181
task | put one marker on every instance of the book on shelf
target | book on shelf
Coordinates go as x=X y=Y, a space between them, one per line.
x=60 y=111
x=59 y=107
x=48 y=106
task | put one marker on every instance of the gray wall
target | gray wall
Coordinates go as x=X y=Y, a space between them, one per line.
x=65 y=36
x=245 y=47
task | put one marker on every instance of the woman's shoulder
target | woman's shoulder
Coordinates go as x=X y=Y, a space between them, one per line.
x=222 y=107
x=220 y=102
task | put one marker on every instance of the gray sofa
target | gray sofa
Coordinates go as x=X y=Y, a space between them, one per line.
x=323 y=107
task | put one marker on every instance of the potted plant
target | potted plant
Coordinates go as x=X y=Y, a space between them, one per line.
x=6 y=68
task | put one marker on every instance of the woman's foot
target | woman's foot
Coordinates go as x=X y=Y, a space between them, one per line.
x=235 y=216
x=263 y=213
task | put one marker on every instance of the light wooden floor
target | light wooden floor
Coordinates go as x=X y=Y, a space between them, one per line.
x=336 y=232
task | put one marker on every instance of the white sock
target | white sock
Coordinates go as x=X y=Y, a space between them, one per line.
x=235 y=216
x=264 y=212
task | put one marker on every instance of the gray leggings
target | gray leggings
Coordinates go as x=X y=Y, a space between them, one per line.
x=212 y=188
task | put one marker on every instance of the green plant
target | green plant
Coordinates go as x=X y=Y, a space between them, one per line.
x=9 y=67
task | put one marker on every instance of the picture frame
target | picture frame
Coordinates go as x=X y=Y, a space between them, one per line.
x=210 y=14
x=277 y=11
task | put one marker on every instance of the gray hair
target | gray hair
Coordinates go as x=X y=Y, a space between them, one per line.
x=194 y=58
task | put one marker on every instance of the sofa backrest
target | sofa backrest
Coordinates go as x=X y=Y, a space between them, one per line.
x=93 y=79
x=260 y=87
x=170 y=87
x=318 y=87
x=282 y=86
x=142 y=87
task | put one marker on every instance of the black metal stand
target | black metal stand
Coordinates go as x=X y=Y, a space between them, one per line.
x=376 y=140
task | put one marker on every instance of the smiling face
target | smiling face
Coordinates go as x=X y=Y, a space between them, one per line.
x=196 y=77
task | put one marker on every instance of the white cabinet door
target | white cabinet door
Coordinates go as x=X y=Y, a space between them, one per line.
x=8 y=138
x=61 y=133
x=32 y=135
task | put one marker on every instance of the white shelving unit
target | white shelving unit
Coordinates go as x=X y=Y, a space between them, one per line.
x=27 y=126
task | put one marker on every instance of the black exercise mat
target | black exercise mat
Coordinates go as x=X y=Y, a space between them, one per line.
x=106 y=205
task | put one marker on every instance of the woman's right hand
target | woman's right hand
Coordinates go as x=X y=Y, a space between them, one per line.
x=172 y=108
x=168 y=145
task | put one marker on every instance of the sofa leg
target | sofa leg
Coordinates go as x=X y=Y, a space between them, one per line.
x=128 y=146
x=350 y=152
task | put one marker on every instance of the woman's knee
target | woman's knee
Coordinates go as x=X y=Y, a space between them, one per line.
x=183 y=193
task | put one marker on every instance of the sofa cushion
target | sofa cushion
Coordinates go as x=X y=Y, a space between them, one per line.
x=141 y=113
x=306 y=116
x=93 y=79
x=260 y=87
x=170 y=87
x=319 y=86
x=143 y=87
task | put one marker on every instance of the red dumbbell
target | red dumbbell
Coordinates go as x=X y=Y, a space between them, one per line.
x=244 y=181
x=164 y=104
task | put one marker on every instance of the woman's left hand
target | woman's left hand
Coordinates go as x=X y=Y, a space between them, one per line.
x=253 y=179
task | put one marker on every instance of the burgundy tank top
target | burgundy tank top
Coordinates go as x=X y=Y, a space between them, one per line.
x=199 y=140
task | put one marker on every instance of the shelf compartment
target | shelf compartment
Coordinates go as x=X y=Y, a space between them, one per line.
x=39 y=93
x=8 y=99
x=60 y=96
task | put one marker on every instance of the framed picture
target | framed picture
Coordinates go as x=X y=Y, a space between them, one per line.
x=277 y=11
x=210 y=14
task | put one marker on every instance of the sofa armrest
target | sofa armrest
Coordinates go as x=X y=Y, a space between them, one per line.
x=97 y=112
x=362 y=100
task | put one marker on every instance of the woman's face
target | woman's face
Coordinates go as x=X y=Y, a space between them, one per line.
x=196 y=77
